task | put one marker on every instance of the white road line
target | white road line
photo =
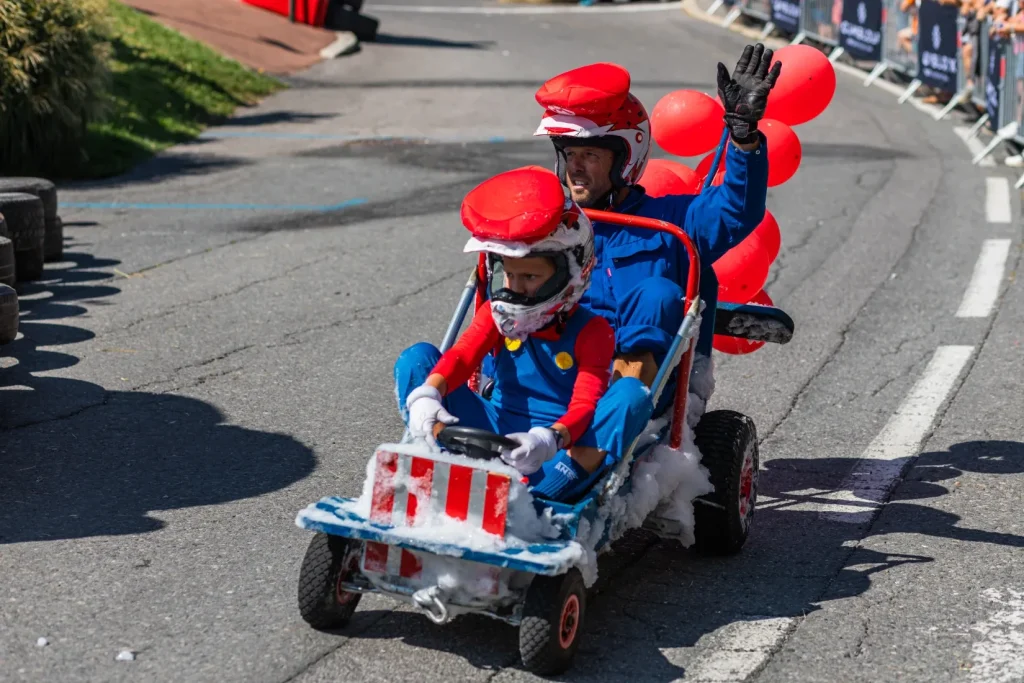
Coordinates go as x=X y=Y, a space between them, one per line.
x=975 y=145
x=980 y=297
x=739 y=650
x=882 y=463
x=999 y=656
x=630 y=8
x=997 y=200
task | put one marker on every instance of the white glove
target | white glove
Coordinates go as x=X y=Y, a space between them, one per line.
x=425 y=411
x=535 y=448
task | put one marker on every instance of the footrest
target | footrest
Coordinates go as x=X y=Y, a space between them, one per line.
x=753 y=322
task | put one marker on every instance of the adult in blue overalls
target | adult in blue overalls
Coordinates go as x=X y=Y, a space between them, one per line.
x=601 y=135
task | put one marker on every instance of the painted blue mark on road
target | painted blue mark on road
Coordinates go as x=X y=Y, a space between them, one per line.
x=280 y=135
x=190 y=206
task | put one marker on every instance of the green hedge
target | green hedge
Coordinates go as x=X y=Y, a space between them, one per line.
x=53 y=82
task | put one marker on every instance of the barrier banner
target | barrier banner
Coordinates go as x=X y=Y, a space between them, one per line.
x=937 y=45
x=860 y=31
x=786 y=15
x=995 y=71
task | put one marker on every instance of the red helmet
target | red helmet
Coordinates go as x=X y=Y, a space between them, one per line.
x=525 y=212
x=591 y=106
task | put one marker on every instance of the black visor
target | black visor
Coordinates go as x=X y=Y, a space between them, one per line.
x=555 y=284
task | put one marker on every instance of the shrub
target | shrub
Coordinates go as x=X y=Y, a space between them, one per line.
x=53 y=82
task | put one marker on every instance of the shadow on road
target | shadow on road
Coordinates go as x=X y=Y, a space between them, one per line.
x=656 y=597
x=81 y=460
x=424 y=41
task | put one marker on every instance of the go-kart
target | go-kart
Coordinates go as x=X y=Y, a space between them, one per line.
x=454 y=529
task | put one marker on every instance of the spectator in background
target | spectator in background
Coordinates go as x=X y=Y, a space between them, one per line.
x=1008 y=23
x=905 y=37
x=972 y=12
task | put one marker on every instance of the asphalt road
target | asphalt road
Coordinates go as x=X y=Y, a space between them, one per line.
x=215 y=353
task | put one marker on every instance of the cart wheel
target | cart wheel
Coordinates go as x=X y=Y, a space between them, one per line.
x=728 y=444
x=552 y=622
x=329 y=561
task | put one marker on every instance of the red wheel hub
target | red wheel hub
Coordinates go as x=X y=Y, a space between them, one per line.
x=746 y=485
x=569 y=622
x=341 y=595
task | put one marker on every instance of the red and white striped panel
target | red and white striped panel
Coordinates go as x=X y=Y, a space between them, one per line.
x=390 y=560
x=468 y=494
x=398 y=563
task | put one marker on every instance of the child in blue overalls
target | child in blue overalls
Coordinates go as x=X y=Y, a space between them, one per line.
x=551 y=358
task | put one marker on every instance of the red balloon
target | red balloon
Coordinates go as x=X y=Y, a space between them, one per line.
x=663 y=177
x=769 y=235
x=717 y=180
x=742 y=271
x=784 y=151
x=687 y=122
x=738 y=347
x=805 y=86
x=762 y=299
x=659 y=180
x=688 y=175
x=735 y=346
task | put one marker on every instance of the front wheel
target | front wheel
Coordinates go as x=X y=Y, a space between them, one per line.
x=552 y=622
x=329 y=562
x=728 y=444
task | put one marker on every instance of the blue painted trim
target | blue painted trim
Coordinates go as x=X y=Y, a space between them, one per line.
x=351 y=525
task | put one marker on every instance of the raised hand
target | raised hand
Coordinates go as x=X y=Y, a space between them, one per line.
x=745 y=93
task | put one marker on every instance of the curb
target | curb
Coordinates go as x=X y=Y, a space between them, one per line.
x=344 y=44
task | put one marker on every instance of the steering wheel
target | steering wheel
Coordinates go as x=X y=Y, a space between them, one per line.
x=478 y=444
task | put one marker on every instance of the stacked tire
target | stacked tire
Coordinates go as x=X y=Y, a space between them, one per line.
x=8 y=297
x=46 y=191
x=26 y=228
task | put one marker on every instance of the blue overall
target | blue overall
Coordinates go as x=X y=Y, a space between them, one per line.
x=525 y=379
x=639 y=279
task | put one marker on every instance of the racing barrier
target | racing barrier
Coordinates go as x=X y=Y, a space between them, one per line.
x=819 y=21
x=899 y=43
x=924 y=42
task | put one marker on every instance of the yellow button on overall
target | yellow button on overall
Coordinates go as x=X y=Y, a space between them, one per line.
x=512 y=344
x=563 y=360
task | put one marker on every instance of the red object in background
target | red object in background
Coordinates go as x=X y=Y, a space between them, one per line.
x=663 y=177
x=769 y=235
x=687 y=122
x=312 y=12
x=735 y=346
x=805 y=86
x=784 y=151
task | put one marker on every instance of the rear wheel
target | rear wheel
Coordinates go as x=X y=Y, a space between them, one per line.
x=728 y=444
x=552 y=622
x=329 y=562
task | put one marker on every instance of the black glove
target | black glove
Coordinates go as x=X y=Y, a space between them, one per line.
x=745 y=94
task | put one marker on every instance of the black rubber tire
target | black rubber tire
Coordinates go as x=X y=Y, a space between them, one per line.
x=53 y=240
x=3 y=227
x=8 y=314
x=321 y=604
x=726 y=440
x=340 y=18
x=540 y=642
x=40 y=187
x=23 y=214
x=7 y=262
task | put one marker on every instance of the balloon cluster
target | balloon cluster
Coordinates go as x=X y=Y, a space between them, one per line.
x=689 y=123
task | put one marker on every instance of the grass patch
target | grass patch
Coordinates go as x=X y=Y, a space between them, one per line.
x=165 y=89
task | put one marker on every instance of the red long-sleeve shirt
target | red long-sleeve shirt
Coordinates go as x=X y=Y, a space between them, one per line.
x=557 y=376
